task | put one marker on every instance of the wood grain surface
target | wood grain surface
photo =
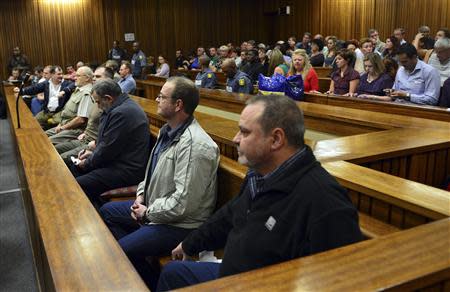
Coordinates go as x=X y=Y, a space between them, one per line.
x=403 y=261
x=77 y=250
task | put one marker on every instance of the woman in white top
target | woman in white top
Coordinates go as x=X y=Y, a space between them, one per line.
x=163 y=68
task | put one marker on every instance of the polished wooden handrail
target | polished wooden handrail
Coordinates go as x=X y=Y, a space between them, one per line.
x=403 y=261
x=73 y=248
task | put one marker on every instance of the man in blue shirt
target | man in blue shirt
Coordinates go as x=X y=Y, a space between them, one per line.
x=139 y=61
x=126 y=82
x=237 y=81
x=196 y=63
x=305 y=44
x=117 y=53
x=416 y=81
x=206 y=78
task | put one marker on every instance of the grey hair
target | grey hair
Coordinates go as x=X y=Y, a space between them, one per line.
x=281 y=112
x=106 y=87
x=424 y=28
x=88 y=71
x=443 y=43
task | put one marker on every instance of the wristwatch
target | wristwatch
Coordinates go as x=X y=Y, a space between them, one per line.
x=408 y=96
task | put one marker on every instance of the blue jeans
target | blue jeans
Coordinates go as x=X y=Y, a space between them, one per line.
x=141 y=241
x=178 y=274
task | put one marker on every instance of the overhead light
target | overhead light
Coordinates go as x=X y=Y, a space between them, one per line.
x=62 y=2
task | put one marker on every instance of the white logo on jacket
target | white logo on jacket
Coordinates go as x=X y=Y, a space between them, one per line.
x=270 y=223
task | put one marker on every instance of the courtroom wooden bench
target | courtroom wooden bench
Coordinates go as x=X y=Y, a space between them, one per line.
x=323 y=71
x=72 y=247
x=324 y=84
x=408 y=147
x=416 y=259
x=405 y=109
x=235 y=103
x=192 y=74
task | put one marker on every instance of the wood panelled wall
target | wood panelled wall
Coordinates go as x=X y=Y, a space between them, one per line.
x=51 y=32
x=353 y=18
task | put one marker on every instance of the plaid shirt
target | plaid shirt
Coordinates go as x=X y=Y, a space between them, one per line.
x=257 y=183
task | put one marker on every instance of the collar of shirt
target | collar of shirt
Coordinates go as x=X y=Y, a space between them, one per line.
x=129 y=76
x=166 y=136
x=259 y=183
x=87 y=87
x=418 y=67
x=169 y=133
x=175 y=133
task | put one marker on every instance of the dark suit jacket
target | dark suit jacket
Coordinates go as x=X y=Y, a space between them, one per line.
x=67 y=86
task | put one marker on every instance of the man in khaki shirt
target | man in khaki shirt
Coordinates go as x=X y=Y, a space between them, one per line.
x=75 y=114
x=86 y=139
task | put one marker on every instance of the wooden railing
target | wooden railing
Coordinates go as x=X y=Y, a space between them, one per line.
x=73 y=248
x=235 y=102
x=410 y=260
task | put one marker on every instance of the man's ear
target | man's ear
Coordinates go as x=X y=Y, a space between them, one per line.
x=179 y=105
x=278 y=138
x=109 y=97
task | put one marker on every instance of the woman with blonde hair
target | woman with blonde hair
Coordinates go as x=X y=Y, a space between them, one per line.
x=277 y=64
x=331 y=51
x=375 y=83
x=300 y=65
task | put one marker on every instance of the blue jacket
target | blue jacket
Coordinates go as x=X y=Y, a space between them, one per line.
x=240 y=83
x=206 y=79
x=66 y=86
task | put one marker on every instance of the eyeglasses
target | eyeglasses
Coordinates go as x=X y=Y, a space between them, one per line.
x=161 y=97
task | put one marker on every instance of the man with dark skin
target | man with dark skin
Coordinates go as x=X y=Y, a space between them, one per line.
x=138 y=61
x=19 y=61
x=253 y=67
x=237 y=81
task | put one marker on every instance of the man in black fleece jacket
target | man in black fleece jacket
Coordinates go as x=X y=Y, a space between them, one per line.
x=288 y=206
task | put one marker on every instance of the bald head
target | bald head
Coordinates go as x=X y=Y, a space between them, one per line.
x=204 y=61
x=83 y=76
x=229 y=68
